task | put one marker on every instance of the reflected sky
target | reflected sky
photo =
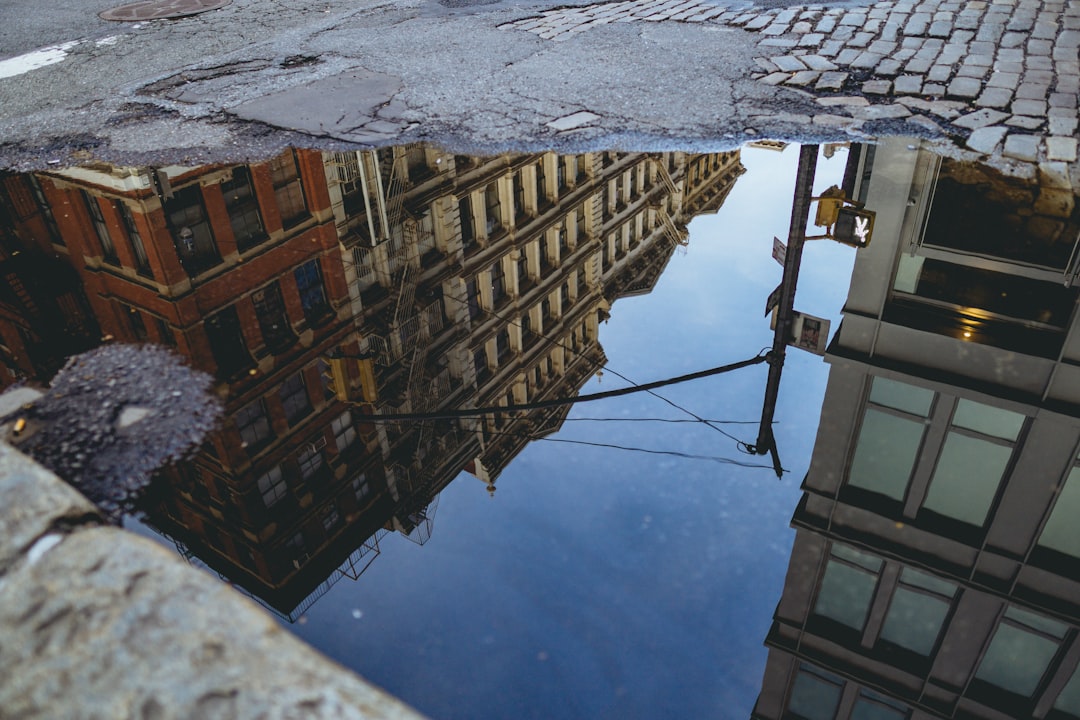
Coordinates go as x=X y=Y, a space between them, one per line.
x=608 y=583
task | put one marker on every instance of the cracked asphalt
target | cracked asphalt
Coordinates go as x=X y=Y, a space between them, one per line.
x=243 y=81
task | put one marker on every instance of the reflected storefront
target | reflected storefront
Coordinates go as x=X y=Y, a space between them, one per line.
x=326 y=289
x=936 y=565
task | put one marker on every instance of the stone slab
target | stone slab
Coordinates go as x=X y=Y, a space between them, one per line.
x=33 y=501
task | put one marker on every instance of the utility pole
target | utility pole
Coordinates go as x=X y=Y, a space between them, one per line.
x=800 y=211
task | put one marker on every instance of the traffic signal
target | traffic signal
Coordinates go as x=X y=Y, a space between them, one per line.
x=854 y=226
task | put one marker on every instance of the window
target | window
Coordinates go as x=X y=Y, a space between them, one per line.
x=473 y=298
x=847 y=587
x=45 y=209
x=955 y=482
x=468 y=235
x=498 y=283
x=361 y=487
x=310 y=461
x=270 y=310
x=815 y=695
x=871 y=706
x=142 y=262
x=165 y=333
x=272 y=486
x=1020 y=652
x=190 y=230
x=502 y=345
x=519 y=196
x=917 y=611
x=1062 y=531
x=288 y=190
x=1068 y=700
x=480 y=363
x=523 y=270
x=541 y=184
x=100 y=228
x=493 y=208
x=243 y=209
x=227 y=342
x=331 y=518
x=294 y=398
x=344 y=432
x=887 y=450
x=312 y=293
x=973 y=461
x=253 y=425
x=135 y=320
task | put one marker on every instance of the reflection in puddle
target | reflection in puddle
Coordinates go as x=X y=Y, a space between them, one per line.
x=936 y=566
x=935 y=545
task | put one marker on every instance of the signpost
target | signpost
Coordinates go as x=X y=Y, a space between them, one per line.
x=773 y=300
x=779 y=250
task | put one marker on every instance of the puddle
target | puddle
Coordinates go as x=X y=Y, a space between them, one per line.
x=399 y=332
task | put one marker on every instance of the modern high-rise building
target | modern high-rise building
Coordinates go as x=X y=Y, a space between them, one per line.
x=935 y=571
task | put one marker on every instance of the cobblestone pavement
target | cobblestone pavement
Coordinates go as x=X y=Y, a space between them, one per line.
x=999 y=75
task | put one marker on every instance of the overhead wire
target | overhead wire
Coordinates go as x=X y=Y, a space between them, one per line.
x=651 y=451
x=559 y=402
x=741 y=444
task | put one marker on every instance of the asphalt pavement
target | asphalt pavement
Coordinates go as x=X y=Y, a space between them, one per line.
x=991 y=77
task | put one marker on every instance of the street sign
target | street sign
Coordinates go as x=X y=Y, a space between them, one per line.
x=809 y=333
x=779 y=250
x=854 y=226
x=774 y=300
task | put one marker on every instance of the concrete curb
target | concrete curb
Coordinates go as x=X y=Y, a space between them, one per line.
x=98 y=622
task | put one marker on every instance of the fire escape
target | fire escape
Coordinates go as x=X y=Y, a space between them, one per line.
x=676 y=235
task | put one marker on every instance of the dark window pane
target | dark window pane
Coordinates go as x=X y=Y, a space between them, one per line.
x=309 y=281
x=294 y=398
x=100 y=228
x=190 y=229
x=243 y=209
x=274 y=323
x=227 y=342
x=288 y=190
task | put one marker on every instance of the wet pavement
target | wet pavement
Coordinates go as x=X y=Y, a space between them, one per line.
x=626 y=557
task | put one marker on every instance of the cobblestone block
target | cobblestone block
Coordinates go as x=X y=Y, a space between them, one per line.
x=934 y=89
x=816 y=62
x=866 y=60
x=1035 y=108
x=1061 y=148
x=776 y=78
x=919 y=65
x=939 y=73
x=802 y=78
x=765 y=64
x=908 y=85
x=994 y=97
x=880 y=112
x=1062 y=126
x=1039 y=63
x=1006 y=80
x=846 y=56
x=1024 y=122
x=888 y=67
x=860 y=40
x=1063 y=100
x=846 y=101
x=1031 y=91
x=973 y=71
x=940 y=29
x=877 y=87
x=946 y=109
x=1022 y=147
x=801 y=28
x=980 y=119
x=831 y=81
x=830 y=48
x=826 y=25
x=965 y=87
x=985 y=140
x=1039 y=47
x=788 y=63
